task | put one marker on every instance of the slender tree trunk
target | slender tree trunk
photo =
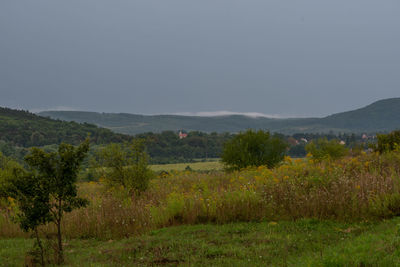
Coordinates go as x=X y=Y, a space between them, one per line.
x=60 y=258
x=40 y=247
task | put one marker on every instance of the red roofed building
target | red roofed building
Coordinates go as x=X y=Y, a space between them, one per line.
x=182 y=135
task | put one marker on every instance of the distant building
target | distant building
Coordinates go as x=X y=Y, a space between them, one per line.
x=182 y=135
x=293 y=141
x=304 y=140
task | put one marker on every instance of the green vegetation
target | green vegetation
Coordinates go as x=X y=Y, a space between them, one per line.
x=301 y=212
x=253 y=149
x=290 y=212
x=7 y=170
x=124 y=166
x=24 y=129
x=388 y=142
x=47 y=191
x=301 y=243
x=362 y=187
x=195 y=166
x=27 y=189
x=164 y=147
x=383 y=115
x=321 y=149
x=167 y=147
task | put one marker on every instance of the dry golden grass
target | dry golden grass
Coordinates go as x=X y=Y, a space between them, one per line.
x=356 y=188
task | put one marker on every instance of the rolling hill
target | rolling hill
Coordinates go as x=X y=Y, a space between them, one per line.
x=383 y=115
x=25 y=129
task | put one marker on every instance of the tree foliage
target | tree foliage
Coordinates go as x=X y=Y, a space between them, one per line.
x=253 y=149
x=321 y=149
x=25 y=129
x=388 y=142
x=124 y=165
x=48 y=188
x=167 y=147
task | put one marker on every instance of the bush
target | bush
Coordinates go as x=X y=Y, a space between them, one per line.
x=388 y=142
x=253 y=149
x=124 y=166
x=324 y=149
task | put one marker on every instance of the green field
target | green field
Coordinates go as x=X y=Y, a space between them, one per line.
x=196 y=166
x=301 y=243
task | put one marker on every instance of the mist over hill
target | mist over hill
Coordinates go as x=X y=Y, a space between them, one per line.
x=383 y=115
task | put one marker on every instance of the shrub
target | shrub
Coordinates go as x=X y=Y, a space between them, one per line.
x=324 y=149
x=253 y=149
x=7 y=167
x=388 y=142
x=125 y=166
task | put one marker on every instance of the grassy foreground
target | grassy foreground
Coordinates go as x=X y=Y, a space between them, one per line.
x=302 y=243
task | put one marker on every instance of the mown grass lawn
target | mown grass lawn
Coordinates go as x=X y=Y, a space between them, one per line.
x=301 y=243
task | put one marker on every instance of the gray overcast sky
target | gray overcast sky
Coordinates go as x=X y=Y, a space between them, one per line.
x=288 y=57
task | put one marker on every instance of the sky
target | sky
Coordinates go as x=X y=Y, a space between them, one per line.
x=286 y=58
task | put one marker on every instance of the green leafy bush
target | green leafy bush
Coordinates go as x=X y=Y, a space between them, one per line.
x=253 y=149
x=323 y=149
x=388 y=142
x=124 y=165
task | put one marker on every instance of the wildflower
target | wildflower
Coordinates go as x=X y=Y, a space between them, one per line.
x=297 y=161
x=288 y=159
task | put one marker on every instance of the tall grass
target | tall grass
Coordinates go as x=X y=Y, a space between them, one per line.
x=363 y=187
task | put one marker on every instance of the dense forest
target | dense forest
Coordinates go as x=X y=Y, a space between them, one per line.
x=25 y=129
x=167 y=147
x=20 y=130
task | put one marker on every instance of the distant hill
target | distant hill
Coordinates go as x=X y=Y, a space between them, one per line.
x=22 y=128
x=383 y=115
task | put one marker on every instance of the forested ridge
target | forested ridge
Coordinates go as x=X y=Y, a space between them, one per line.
x=20 y=130
x=25 y=129
x=383 y=115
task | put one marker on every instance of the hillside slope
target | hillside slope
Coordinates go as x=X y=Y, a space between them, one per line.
x=134 y=124
x=25 y=129
x=383 y=115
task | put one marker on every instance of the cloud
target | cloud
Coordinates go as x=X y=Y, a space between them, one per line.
x=57 y=108
x=228 y=113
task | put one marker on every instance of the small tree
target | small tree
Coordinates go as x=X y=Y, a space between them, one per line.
x=124 y=165
x=253 y=149
x=388 y=142
x=56 y=175
x=323 y=149
x=32 y=197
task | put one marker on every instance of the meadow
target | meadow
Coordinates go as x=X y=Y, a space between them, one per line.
x=214 y=165
x=305 y=242
x=347 y=205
